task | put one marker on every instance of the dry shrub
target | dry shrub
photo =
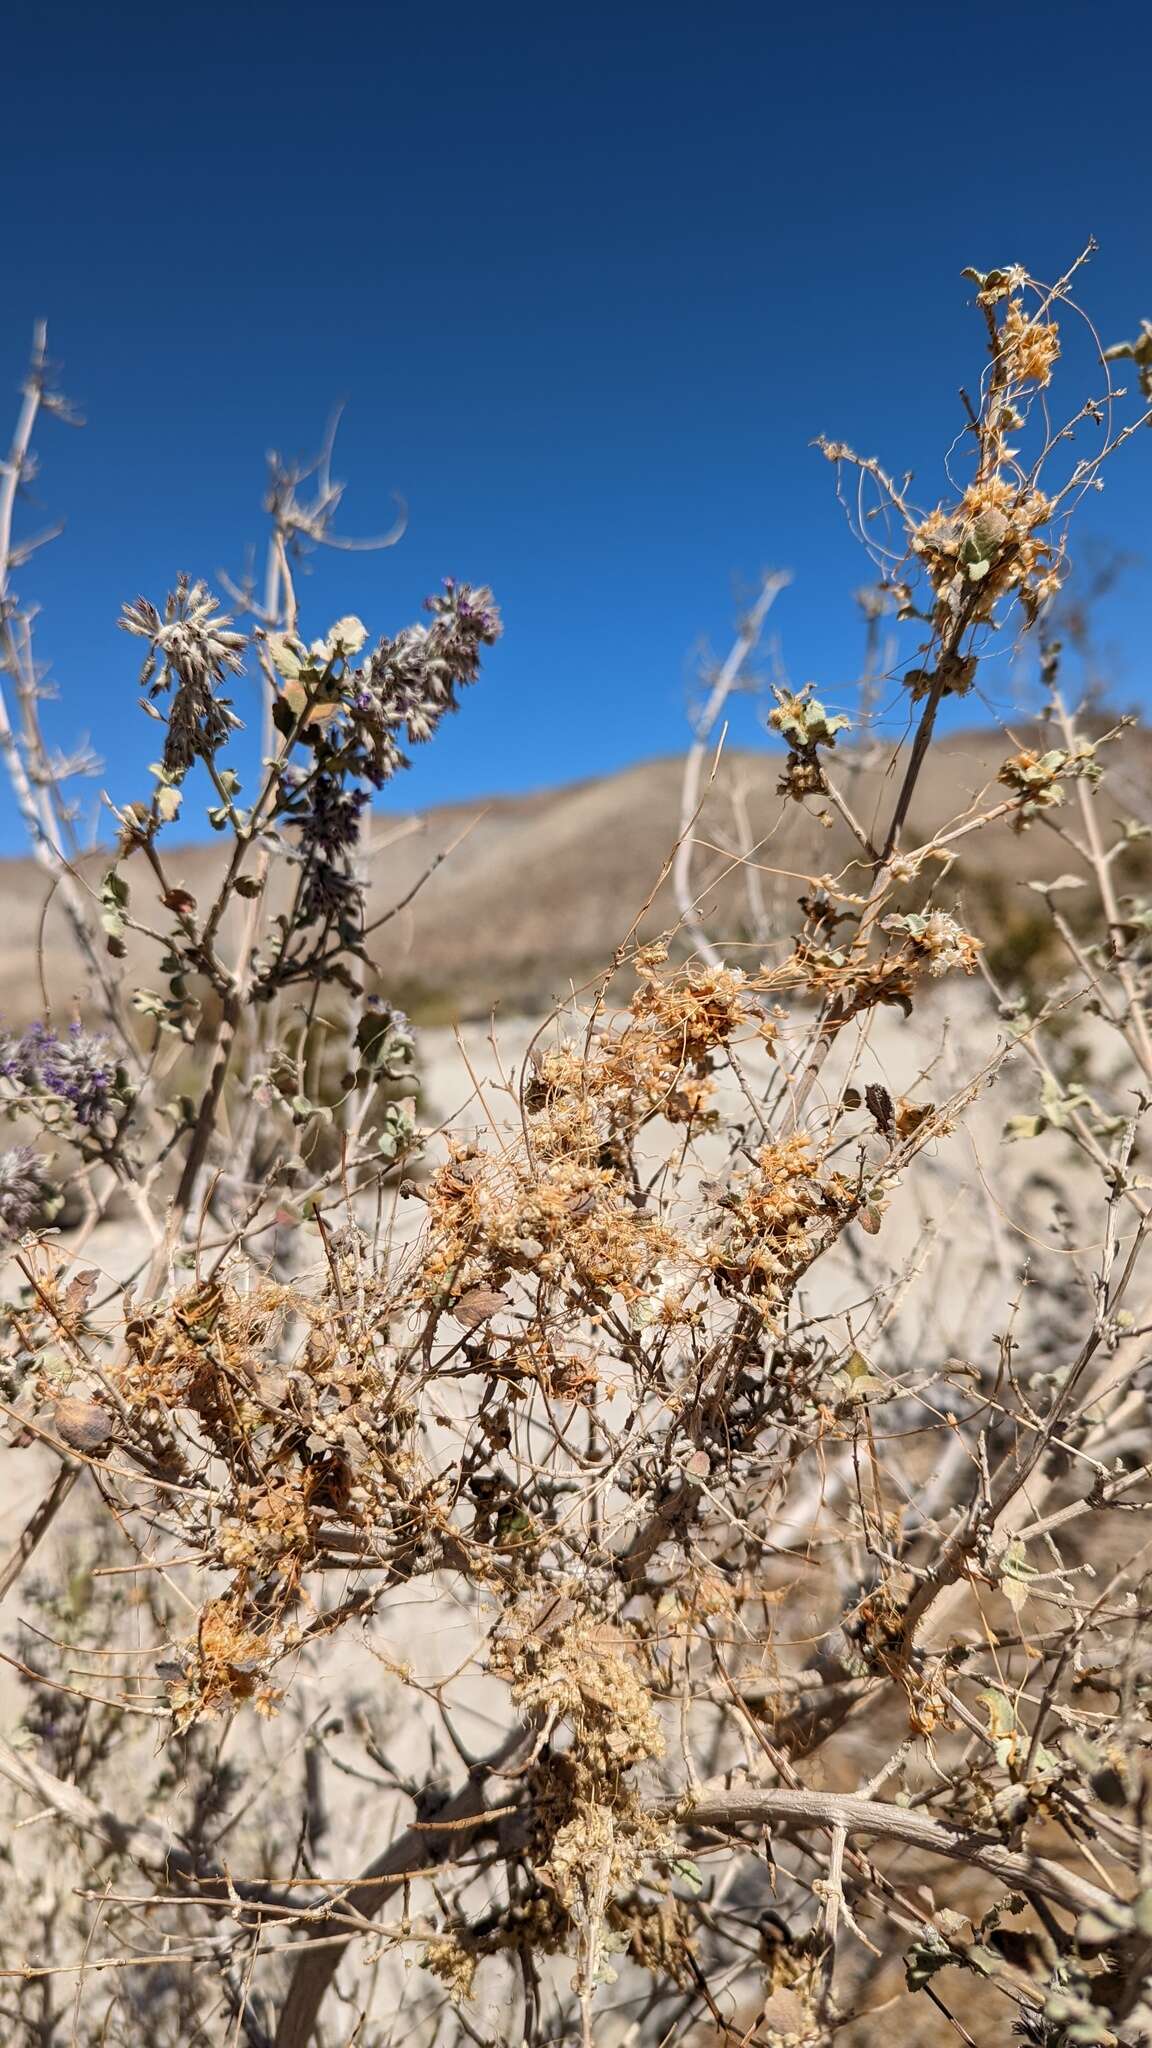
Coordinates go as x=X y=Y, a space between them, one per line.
x=814 y=1644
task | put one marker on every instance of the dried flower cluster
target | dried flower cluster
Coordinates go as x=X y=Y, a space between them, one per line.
x=191 y=649
x=28 y=1199
x=998 y=542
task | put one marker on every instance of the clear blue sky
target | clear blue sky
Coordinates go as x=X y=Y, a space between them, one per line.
x=588 y=280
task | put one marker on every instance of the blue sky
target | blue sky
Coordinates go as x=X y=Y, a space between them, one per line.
x=589 y=282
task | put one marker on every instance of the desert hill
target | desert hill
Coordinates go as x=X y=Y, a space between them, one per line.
x=537 y=890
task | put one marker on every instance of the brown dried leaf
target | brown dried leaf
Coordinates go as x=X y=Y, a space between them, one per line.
x=478 y=1305
x=910 y=1116
x=82 y=1425
x=78 y=1294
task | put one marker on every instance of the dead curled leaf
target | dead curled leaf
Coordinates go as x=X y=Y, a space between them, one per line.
x=879 y=1105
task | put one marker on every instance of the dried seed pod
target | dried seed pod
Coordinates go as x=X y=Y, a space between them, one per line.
x=83 y=1425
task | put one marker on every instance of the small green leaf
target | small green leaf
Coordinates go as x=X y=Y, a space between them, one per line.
x=1019 y=1127
x=285 y=656
x=1061 y=882
x=1015 y=1573
x=113 y=899
x=1001 y=1712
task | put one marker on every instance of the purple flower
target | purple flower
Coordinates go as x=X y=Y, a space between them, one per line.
x=80 y=1071
x=19 y=1057
x=329 y=817
x=404 y=689
x=77 y=1070
x=411 y=682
